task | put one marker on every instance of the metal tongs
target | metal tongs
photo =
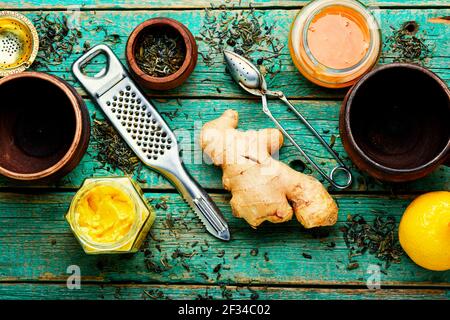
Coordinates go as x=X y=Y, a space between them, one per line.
x=251 y=80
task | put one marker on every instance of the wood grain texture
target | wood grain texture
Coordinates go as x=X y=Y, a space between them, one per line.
x=186 y=4
x=212 y=81
x=37 y=245
x=43 y=291
x=186 y=116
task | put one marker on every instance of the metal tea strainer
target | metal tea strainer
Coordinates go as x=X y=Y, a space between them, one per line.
x=146 y=132
x=251 y=80
x=19 y=43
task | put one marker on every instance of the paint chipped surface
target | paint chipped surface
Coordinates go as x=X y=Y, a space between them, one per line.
x=444 y=20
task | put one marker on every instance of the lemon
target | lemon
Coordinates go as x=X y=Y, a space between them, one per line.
x=424 y=231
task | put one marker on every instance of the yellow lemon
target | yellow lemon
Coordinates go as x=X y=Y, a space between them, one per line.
x=424 y=231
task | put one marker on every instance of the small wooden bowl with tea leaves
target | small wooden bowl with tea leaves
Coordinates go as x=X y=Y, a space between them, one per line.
x=161 y=53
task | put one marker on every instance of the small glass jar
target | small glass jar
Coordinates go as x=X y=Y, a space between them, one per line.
x=143 y=216
x=306 y=53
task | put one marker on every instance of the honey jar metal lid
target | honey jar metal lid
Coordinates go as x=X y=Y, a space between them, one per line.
x=19 y=43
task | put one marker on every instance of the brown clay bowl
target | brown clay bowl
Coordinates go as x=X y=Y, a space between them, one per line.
x=395 y=122
x=44 y=127
x=161 y=25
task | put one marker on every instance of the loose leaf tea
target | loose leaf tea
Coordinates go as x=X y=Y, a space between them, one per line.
x=160 y=54
x=245 y=32
x=379 y=238
x=112 y=151
x=57 y=39
x=407 y=45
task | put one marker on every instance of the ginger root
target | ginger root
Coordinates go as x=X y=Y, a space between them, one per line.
x=263 y=188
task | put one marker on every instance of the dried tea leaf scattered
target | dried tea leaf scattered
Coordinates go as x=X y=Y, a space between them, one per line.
x=58 y=39
x=205 y=296
x=306 y=255
x=331 y=244
x=246 y=32
x=217 y=268
x=157 y=267
x=221 y=254
x=204 y=275
x=112 y=152
x=162 y=203
x=254 y=295
x=156 y=294
x=112 y=38
x=160 y=54
x=407 y=44
x=226 y=293
x=178 y=253
x=352 y=266
x=378 y=238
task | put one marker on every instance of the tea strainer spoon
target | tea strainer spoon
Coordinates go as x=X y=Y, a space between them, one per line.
x=250 y=79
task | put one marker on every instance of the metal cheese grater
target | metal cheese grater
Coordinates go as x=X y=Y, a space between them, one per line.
x=146 y=132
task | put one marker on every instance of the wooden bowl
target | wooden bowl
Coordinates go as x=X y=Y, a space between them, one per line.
x=395 y=122
x=44 y=127
x=175 y=79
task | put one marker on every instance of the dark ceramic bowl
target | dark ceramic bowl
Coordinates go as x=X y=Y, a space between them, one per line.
x=395 y=122
x=44 y=127
x=162 y=25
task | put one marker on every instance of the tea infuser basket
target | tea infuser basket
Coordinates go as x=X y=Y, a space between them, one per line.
x=19 y=43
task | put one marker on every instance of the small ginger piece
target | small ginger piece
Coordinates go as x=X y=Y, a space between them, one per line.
x=263 y=188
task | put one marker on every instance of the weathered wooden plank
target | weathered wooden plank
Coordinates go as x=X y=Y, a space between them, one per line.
x=37 y=245
x=212 y=81
x=41 y=291
x=185 y=4
x=187 y=116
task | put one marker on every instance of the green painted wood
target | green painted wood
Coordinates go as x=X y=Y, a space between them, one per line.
x=187 y=116
x=43 y=291
x=212 y=81
x=37 y=245
x=185 y=4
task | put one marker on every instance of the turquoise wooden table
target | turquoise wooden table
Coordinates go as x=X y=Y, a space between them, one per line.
x=179 y=259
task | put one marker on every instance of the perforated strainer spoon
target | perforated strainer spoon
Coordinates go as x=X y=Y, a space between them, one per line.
x=250 y=79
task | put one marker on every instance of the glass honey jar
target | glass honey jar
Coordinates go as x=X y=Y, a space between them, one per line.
x=110 y=215
x=333 y=43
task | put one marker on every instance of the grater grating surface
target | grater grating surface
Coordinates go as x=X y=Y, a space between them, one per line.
x=150 y=137
x=146 y=132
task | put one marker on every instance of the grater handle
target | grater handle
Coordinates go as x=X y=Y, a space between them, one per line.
x=104 y=80
x=201 y=203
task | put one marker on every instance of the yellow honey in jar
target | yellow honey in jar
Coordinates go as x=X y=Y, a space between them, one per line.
x=105 y=214
x=110 y=215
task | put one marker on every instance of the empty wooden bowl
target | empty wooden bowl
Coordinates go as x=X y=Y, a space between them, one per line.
x=44 y=127
x=395 y=122
x=162 y=26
